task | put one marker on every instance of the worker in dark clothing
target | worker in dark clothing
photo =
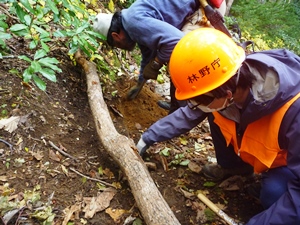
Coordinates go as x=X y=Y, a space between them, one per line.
x=155 y=26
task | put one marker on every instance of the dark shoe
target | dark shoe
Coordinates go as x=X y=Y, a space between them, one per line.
x=134 y=91
x=217 y=173
x=163 y=104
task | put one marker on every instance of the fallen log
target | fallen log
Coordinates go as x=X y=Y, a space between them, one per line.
x=153 y=207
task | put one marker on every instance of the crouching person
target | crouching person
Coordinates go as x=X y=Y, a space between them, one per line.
x=254 y=102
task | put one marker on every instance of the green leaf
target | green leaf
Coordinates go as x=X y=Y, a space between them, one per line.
x=20 y=12
x=160 y=79
x=27 y=5
x=39 y=82
x=49 y=74
x=2 y=43
x=39 y=54
x=137 y=221
x=13 y=71
x=165 y=152
x=49 y=62
x=43 y=32
x=209 y=214
x=27 y=74
x=71 y=33
x=52 y=6
x=33 y=44
x=209 y=184
x=35 y=66
x=40 y=12
x=95 y=34
x=73 y=50
x=5 y=35
x=60 y=33
x=28 y=20
x=20 y=29
x=185 y=162
x=45 y=46
x=82 y=28
x=86 y=35
x=3 y=25
x=24 y=57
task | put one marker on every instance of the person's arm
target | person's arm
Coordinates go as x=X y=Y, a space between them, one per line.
x=287 y=208
x=147 y=55
x=179 y=122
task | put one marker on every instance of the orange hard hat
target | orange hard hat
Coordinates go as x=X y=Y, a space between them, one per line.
x=203 y=60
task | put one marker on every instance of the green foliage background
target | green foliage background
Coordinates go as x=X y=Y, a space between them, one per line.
x=270 y=24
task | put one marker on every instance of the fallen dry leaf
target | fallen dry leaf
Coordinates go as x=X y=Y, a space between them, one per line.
x=69 y=212
x=37 y=155
x=3 y=178
x=99 y=203
x=199 y=207
x=232 y=183
x=10 y=124
x=115 y=214
x=194 y=167
x=55 y=156
x=187 y=194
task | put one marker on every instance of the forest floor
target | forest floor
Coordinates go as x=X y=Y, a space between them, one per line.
x=39 y=181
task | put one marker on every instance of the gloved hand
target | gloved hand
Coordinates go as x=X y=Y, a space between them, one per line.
x=135 y=90
x=142 y=146
x=151 y=70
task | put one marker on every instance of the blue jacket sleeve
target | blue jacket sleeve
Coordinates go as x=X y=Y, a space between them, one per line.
x=155 y=25
x=286 y=210
x=179 y=122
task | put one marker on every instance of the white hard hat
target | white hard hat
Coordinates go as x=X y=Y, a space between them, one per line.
x=102 y=23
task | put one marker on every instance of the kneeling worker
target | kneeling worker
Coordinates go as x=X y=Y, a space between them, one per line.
x=254 y=102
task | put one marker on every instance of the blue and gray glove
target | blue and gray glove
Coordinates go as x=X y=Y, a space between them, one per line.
x=142 y=146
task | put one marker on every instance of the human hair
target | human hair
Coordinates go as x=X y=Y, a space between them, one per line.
x=243 y=79
x=115 y=26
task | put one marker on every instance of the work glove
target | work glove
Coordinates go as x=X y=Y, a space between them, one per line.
x=135 y=90
x=142 y=146
x=151 y=70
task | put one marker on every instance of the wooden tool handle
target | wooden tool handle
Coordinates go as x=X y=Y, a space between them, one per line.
x=216 y=209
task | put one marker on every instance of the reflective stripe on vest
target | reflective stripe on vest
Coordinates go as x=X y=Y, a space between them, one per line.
x=259 y=144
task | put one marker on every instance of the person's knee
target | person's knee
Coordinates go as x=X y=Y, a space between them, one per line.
x=274 y=185
x=271 y=192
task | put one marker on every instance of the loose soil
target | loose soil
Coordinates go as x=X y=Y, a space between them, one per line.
x=61 y=115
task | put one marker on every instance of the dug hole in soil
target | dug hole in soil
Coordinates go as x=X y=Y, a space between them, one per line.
x=62 y=116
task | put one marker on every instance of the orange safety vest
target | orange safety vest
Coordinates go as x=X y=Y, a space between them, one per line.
x=259 y=145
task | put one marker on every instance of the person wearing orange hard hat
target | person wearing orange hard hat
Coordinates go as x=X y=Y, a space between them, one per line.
x=254 y=101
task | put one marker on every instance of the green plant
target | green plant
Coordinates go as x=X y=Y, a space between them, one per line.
x=3 y=34
x=40 y=64
x=270 y=24
x=45 y=25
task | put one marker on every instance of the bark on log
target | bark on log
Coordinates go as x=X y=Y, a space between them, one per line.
x=149 y=200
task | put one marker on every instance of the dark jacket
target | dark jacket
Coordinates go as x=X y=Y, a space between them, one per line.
x=155 y=26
